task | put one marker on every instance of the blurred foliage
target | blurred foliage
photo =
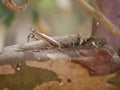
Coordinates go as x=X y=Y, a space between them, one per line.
x=45 y=13
x=42 y=7
x=37 y=7
x=87 y=0
x=35 y=15
x=6 y=14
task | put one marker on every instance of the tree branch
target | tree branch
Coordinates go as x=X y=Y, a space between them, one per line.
x=39 y=48
x=94 y=3
x=94 y=53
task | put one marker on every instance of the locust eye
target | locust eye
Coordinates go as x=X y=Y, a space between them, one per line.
x=16 y=5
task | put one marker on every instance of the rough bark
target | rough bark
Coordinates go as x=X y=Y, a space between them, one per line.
x=38 y=65
x=93 y=53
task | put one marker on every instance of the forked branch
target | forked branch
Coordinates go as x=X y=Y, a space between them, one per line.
x=95 y=5
x=100 y=17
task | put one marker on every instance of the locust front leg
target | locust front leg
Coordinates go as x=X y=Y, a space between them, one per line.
x=40 y=35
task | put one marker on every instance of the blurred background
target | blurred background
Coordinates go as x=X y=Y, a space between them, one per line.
x=52 y=17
